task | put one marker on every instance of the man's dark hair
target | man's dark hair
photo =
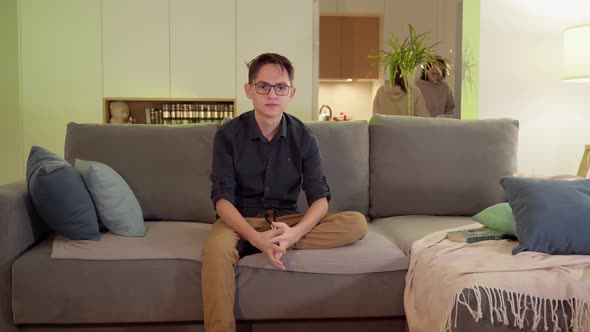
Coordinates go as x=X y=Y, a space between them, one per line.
x=272 y=58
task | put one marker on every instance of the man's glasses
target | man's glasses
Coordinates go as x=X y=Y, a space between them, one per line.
x=264 y=89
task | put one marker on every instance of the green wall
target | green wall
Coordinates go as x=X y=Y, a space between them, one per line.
x=61 y=68
x=470 y=62
x=11 y=132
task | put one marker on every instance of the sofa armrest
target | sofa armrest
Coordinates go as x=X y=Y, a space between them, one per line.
x=21 y=229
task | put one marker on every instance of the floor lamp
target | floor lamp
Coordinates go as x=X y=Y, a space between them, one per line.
x=576 y=57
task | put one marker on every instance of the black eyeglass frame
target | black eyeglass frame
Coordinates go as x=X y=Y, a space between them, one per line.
x=273 y=87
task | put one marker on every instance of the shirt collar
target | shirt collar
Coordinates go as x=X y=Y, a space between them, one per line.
x=254 y=130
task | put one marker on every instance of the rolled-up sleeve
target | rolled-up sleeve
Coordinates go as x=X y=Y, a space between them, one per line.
x=314 y=182
x=223 y=182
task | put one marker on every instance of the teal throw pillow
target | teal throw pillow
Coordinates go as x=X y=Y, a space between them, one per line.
x=552 y=216
x=498 y=217
x=60 y=196
x=117 y=206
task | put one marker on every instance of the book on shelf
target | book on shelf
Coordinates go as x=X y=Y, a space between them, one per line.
x=476 y=235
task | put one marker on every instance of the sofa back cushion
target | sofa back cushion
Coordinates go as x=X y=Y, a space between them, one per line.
x=168 y=168
x=434 y=166
x=344 y=148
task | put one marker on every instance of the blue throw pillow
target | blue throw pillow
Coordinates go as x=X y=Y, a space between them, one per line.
x=60 y=196
x=552 y=216
x=117 y=207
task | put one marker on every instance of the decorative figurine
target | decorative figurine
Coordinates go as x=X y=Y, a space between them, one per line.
x=119 y=112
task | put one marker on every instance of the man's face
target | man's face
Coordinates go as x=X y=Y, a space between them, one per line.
x=270 y=105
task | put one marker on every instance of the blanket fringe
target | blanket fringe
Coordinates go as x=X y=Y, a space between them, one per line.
x=520 y=310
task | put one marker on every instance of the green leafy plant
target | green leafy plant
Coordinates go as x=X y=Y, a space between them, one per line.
x=406 y=56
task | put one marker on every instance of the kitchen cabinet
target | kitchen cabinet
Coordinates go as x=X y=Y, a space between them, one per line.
x=345 y=44
x=136 y=48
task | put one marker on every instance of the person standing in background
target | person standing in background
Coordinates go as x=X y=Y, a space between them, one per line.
x=436 y=92
x=393 y=100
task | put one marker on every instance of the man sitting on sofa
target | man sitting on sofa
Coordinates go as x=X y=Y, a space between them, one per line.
x=261 y=160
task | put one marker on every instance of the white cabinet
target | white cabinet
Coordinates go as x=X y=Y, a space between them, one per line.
x=202 y=49
x=61 y=68
x=136 y=48
x=284 y=27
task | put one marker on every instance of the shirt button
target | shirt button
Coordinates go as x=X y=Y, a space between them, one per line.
x=267 y=189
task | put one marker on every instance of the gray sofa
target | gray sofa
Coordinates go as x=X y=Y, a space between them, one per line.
x=409 y=176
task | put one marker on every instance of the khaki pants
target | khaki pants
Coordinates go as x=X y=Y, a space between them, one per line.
x=220 y=256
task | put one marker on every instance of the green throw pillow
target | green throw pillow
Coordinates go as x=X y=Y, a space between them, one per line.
x=498 y=217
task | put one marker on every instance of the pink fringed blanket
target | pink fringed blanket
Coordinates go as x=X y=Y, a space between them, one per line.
x=553 y=290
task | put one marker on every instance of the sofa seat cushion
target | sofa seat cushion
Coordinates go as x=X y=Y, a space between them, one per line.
x=51 y=291
x=184 y=240
x=163 y=240
x=404 y=230
x=78 y=291
x=273 y=294
x=376 y=252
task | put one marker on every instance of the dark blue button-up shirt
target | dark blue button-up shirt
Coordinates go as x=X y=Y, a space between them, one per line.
x=256 y=175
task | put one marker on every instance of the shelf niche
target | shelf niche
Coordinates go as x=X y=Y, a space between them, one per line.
x=173 y=111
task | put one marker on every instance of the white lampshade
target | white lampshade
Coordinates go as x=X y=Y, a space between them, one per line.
x=576 y=54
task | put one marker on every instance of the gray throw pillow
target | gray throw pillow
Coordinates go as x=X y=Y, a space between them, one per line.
x=552 y=216
x=60 y=196
x=116 y=204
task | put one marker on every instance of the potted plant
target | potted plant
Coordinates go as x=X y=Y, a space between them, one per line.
x=406 y=56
